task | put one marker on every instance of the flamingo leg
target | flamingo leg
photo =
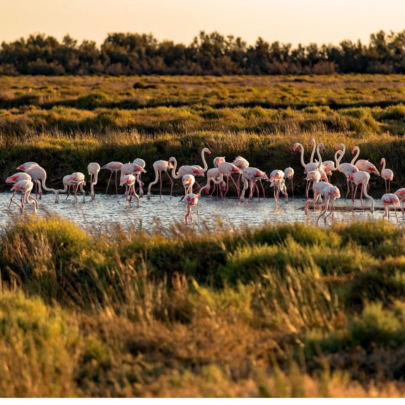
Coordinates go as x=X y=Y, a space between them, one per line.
x=237 y=188
x=389 y=186
x=196 y=182
x=257 y=191
x=292 y=186
x=354 y=195
x=227 y=186
x=361 y=197
x=198 y=215
x=307 y=190
x=348 y=188
x=187 y=214
x=108 y=184
x=385 y=181
x=264 y=192
x=396 y=216
x=160 y=178
x=12 y=198
x=171 y=181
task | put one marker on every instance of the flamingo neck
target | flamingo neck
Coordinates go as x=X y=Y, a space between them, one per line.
x=174 y=175
x=203 y=159
x=343 y=152
x=356 y=156
x=313 y=152
x=383 y=168
x=302 y=155
x=319 y=157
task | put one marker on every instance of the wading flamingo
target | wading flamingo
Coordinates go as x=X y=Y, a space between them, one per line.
x=387 y=175
x=227 y=169
x=93 y=169
x=241 y=163
x=161 y=166
x=15 y=178
x=346 y=168
x=279 y=187
x=215 y=175
x=74 y=180
x=25 y=188
x=400 y=193
x=330 y=193
x=191 y=200
x=38 y=175
x=289 y=175
x=188 y=181
x=113 y=167
x=361 y=164
x=362 y=178
x=129 y=182
x=391 y=199
x=250 y=175
x=142 y=163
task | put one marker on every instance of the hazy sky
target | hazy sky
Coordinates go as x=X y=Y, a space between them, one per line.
x=321 y=21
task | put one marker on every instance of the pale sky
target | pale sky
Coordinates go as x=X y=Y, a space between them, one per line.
x=295 y=21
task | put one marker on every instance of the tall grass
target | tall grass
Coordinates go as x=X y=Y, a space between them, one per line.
x=232 y=313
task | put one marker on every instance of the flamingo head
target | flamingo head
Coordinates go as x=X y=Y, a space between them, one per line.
x=338 y=146
x=170 y=163
x=353 y=151
x=206 y=150
x=21 y=167
x=382 y=161
x=139 y=169
x=334 y=193
x=11 y=179
x=295 y=146
x=311 y=142
x=321 y=145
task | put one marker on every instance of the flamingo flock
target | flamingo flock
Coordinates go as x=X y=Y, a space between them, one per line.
x=32 y=180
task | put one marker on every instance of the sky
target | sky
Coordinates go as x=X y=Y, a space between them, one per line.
x=293 y=21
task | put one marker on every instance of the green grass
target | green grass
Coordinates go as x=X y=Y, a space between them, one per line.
x=236 y=313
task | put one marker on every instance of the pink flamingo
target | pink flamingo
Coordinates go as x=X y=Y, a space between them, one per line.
x=250 y=175
x=74 y=180
x=311 y=166
x=289 y=175
x=386 y=174
x=188 y=181
x=363 y=165
x=113 y=167
x=15 y=178
x=400 y=193
x=132 y=168
x=129 y=182
x=141 y=163
x=38 y=175
x=93 y=169
x=195 y=170
x=330 y=193
x=215 y=175
x=227 y=169
x=346 y=168
x=391 y=199
x=191 y=200
x=362 y=178
x=161 y=166
x=25 y=188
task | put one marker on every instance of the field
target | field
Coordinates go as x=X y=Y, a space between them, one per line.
x=279 y=311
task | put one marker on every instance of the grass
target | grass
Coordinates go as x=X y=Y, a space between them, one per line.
x=267 y=312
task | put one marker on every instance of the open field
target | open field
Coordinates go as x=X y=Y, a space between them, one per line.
x=290 y=310
x=286 y=311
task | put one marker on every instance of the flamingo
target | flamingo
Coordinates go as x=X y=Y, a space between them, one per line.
x=161 y=166
x=386 y=174
x=132 y=168
x=218 y=160
x=191 y=200
x=227 y=169
x=113 y=167
x=400 y=193
x=362 y=178
x=214 y=174
x=250 y=175
x=15 y=178
x=142 y=163
x=330 y=193
x=289 y=175
x=195 y=170
x=38 y=175
x=74 y=180
x=241 y=163
x=279 y=186
x=311 y=166
x=188 y=181
x=391 y=199
x=346 y=168
x=25 y=188
x=93 y=169
x=363 y=165
x=129 y=181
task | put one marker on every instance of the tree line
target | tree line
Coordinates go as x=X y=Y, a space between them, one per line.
x=208 y=54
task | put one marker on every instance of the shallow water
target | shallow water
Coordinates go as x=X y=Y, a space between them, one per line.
x=111 y=209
